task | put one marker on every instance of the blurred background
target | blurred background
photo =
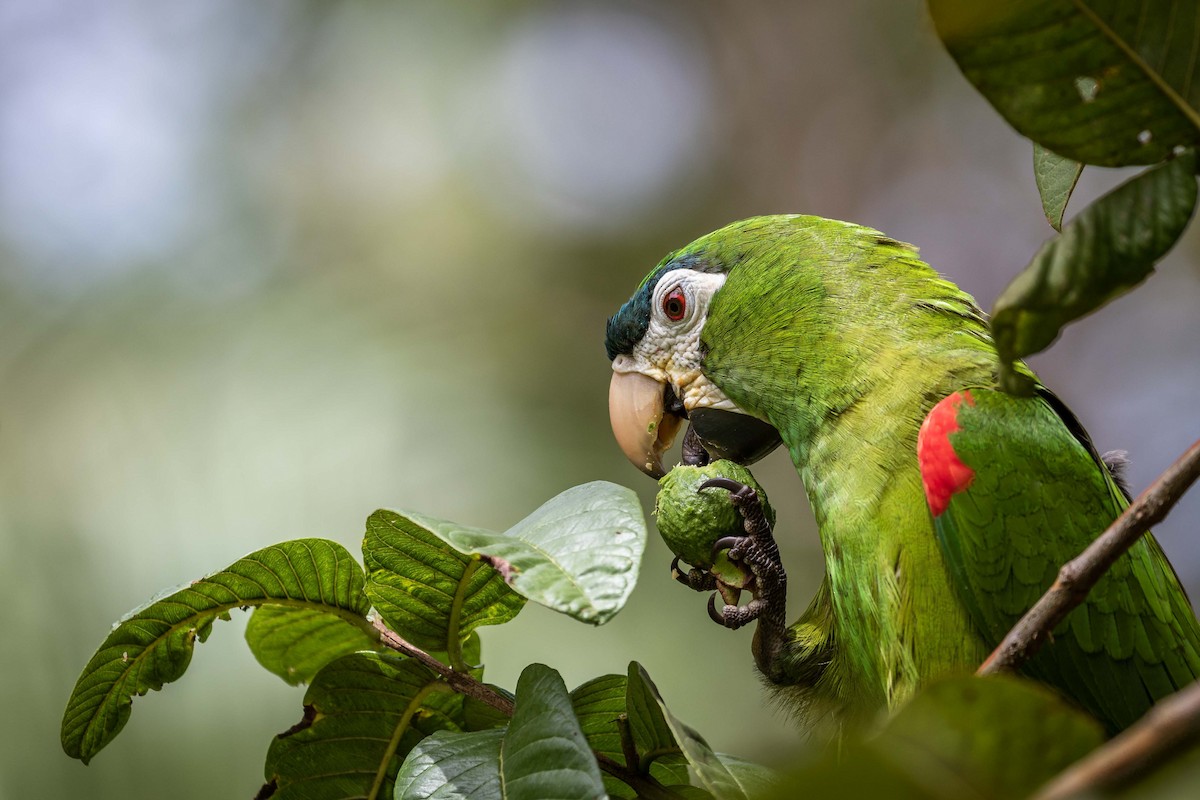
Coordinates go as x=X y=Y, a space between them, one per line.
x=266 y=267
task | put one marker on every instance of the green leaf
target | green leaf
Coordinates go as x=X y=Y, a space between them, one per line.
x=295 y=643
x=453 y=766
x=363 y=714
x=1000 y=736
x=652 y=732
x=1108 y=82
x=1056 y=178
x=754 y=779
x=544 y=753
x=991 y=738
x=427 y=592
x=1106 y=249
x=712 y=773
x=153 y=645
x=578 y=554
x=601 y=705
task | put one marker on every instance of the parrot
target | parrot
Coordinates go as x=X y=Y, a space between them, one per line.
x=944 y=505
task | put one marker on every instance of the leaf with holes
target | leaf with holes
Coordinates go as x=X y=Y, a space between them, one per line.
x=578 y=554
x=1107 y=82
x=363 y=714
x=427 y=591
x=153 y=646
x=1105 y=250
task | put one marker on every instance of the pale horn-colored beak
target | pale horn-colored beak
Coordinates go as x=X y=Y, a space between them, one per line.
x=643 y=430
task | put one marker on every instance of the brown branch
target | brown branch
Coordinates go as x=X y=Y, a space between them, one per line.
x=461 y=682
x=1166 y=729
x=1078 y=576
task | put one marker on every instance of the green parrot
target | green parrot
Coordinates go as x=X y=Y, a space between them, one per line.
x=945 y=506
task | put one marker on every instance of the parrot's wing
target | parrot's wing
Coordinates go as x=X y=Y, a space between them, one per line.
x=1016 y=490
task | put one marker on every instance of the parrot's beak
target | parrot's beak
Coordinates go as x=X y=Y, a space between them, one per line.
x=643 y=425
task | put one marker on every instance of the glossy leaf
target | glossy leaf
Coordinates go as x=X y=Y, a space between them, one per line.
x=578 y=554
x=453 y=766
x=1056 y=178
x=710 y=771
x=363 y=714
x=1106 y=249
x=153 y=645
x=295 y=643
x=427 y=591
x=1108 y=82
x=544 y=753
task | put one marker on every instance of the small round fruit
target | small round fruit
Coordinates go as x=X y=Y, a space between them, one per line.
x=691 y=521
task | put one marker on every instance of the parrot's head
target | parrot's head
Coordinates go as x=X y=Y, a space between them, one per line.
x=778 y=324
x=658 y=350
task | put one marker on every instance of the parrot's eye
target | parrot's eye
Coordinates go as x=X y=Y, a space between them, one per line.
x=674 y=305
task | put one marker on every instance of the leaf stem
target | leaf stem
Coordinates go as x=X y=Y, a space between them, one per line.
x=1165 y=729
x=454 y=652
x=628 y=746
x=1078 y=576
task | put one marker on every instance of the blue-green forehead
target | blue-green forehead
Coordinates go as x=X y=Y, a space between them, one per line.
x=627 y=327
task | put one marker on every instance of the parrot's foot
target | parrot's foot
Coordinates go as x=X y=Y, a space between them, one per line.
x=695 y=579
x=758 y=551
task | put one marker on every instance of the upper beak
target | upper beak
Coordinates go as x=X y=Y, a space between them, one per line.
x=642 y=425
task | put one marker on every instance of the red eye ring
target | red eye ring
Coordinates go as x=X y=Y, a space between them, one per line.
x=674 y=305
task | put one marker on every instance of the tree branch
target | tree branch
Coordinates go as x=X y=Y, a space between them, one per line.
x=1166 y=728
x=1078 y=576
x=461 y=682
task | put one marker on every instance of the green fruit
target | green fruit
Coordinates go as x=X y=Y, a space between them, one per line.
x=691 y=521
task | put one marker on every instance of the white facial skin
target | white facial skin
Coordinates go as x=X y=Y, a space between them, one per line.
x=670 y=350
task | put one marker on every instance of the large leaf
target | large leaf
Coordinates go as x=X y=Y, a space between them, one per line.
x=602 y=706
x=710 y=770
x=453 y=766
x=363 y=714
x=295 y=643
x=1056 y=178
x=1106 y=249
x=995 y=738
x=578 y=554
x=153 y=645
x=1108 y=82
x=427 y=591
x=544 y=753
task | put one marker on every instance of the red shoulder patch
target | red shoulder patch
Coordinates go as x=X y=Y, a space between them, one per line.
x=942 y=472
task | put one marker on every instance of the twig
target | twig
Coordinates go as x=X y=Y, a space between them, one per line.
x=464 y=683
x=1166 y=728
x=461 y=682
x=1078 y=576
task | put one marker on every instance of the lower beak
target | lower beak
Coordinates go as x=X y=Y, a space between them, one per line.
x=640 y=421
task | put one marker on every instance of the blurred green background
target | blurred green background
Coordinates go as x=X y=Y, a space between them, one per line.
x=265 y=267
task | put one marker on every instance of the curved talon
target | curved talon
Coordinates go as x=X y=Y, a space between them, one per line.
x=729 y=543
x=715 y=615
x=678 y=574
x=722 y=483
